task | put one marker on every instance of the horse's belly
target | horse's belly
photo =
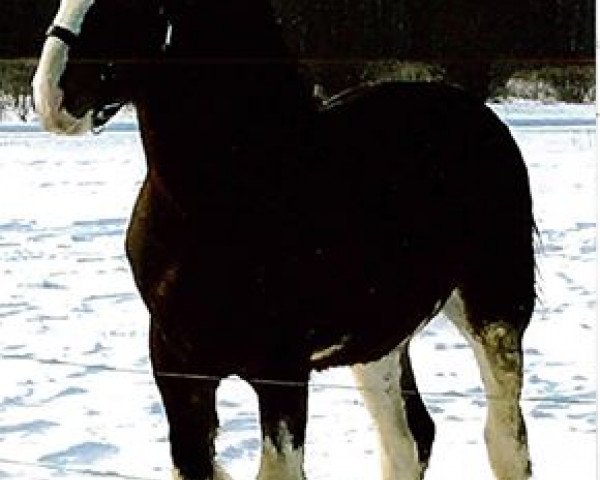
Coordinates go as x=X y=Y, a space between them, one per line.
x=326 y=306
x=308 y=287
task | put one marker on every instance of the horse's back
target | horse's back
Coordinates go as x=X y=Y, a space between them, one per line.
x=419 y=154
x=428 y=143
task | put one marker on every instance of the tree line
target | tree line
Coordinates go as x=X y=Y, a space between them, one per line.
x=475 y=43
x=571 y=83
x=406 y=29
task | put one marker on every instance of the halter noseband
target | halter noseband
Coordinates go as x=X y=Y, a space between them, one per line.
x=63 y=34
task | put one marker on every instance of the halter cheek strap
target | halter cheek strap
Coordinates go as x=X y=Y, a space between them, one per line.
x=63 y=34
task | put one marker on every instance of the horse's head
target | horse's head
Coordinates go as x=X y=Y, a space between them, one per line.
x=86 y=67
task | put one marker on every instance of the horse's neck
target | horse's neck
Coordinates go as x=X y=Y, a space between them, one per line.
x=194 y=117
x=228 y=54
x=236 y=95
x=226 y=83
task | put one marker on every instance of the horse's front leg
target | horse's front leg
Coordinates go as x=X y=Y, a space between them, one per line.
x=283 y=415
x=190 y=406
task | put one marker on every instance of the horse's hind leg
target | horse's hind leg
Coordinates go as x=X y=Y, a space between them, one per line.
x=496 y=341
x=495 y=281
x=404 y=427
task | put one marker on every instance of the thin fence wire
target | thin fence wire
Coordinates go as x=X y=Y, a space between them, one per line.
x=107 y=474
x=575 y=398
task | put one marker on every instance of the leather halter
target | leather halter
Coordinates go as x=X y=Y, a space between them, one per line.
x=63 y=34
x=101 y=114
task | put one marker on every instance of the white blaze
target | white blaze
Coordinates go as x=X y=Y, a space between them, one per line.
x=53 y=61
x=71 y=14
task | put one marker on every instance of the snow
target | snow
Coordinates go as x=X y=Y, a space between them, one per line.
x=76 y=397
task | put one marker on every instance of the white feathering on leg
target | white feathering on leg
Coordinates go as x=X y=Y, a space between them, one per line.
x=379 y=383
x=283 y=463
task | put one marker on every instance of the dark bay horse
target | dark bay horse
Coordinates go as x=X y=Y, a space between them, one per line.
x=272 y=236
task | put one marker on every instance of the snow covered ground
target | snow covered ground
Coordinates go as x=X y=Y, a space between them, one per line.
x=77 y=400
